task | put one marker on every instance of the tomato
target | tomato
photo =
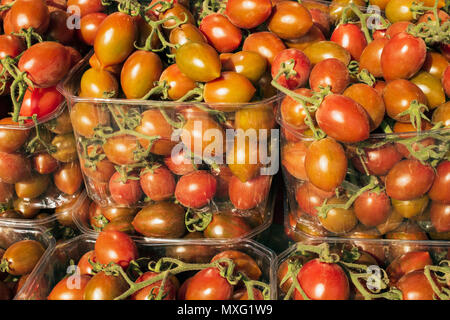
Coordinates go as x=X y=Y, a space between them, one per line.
x=258 y=117
x=23 y=256
x=68 y=177
x=329 y=72
x=435 y=64
x=179 y=11
x=95 y=63
x=248 y=14
x=339 y=220
x=101 y=170
x=14 y=167
x=230 y=87
x=402 y=47
x=97 y=83
x=58 y=30
x=322 y=50
x=293 y=159
x=378 y=161
x=409 y=179
x=415 y=286
x=65 y=148
x=186 y=33
x=343 y=119
x=249 y=64
x=431 y=87
x=86 y=116
x=370 y=58
x=120 y=149
x=32 y=187
x=26 y=14
x=6 y=192
x=249 y=194
x=265 y=43
x=372 y=209
x=399 y=10
x=326 y=164
x=191 y=253
x=380 y=3
x=440 y=190
x=351 y=38
x=198 y=61
x=293 y=112
x=440 y=216
x=243 y=158
x=243 y=263
x=302 y=67
x=41 y=102
x=208 y=284
x=11 y=140
x=322 y=281
x=85 y=267
x=179 y=164
x=290 y=20
x=410 y=208
x=10 y=46
x=115 y=39
x=161 y=220
x=370 y=100
x=393 y=222
x=158 y=184
x=75 y=56
x=309 y=197
x=314 y=35
x=406 y=263
x=169 y=290
x=220 y=32
x=86 y=6
x=196 y=189
x=446 y=81
x=103 y=286
x=115 y=247
x=125 y=193
x=69 y=289
x=203 y=135
x=89 y=25
x=139 y=72
x=398 y=95
x=244 y=295
x=179 y=84
x=442 y=114
x=337 y=7
x=320 y=18
x=153 y=123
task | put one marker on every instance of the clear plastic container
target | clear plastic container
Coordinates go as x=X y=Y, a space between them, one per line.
x=12 y=232
x=38 y=162
x=54 y=267
x=383 y=255
x=375 y=170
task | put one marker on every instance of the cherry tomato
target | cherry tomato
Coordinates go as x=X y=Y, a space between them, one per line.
x=14 y=167
x=179 y=164
x=293 y=159
x=265 y=43
x=32 y=187
x=89 y=25
x=230 y=87
x=435 y=64
x=208 y=284
x=225 y=225
x=205 y=135
x=322 y=50
x=115 y=39
x=115 y=247
x=409 y=179
x=440 y=216
x=431 y=87
x=68 y=177
x=179 y=11
x=198 y=61
x=23 y=256
x=406 y=263
x=442 y=114
x=161 y=220
x=249 y=194
x=378 y=161
x=329 y=72
x=125 y=193
x=399 y=10
x=290 y=20
x=372 y=209
x=302 y=67
x=337 y=7
x=68 y=289
x=169 y=289
x=58 y=30
x=320 y=18
x=243 y=158
x=221 y=33
x=41 y=102
x=248 y=14
x=120 y=149
x=10 y=46
x=410 y=208
x=11 y=140
x=339 y=220
x=351 y=38
x=65 y=148
x=86 y=116
x=196 y=189
x=440 y=190
x=292 y=111
x=243 y=263
x=322 y=281
x=309 y=197
x=370 y=58
x=314 y=35
x=97 y=83
x=179 y=84
x=415 y=286
x=104 y=286
x=326 y=164
x=101 y=171
x=85 y=267
x=86 y=6
x=249 y=64
x=186 y=33
x=26 y=14
x=158 y=184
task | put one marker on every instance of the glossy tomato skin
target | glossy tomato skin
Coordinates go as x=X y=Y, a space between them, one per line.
x=230 y=87
x=68 y=177
x=89 y=25
x=314 y=35
x=351 y=38
x=14 y=167
x=322 y=50
x=86 y=116
x=127 y=193
x=169 y=290
x=26 y=14
x=115 y=39
x=248 y=14
x=120 y=149
x=227 y=226
x=179 y=84
x=188 y=55
x=158 y=184
x=195 y=137
x=22 y=256
x=378 y=161
x=10 y=46
x=322 y=281
x=309 y=197
x=32 y=187
x=408 y=262
x=221 y=33
x=370 y=58
x=440 y=190
x=339 y=220
x=402 y=47
x=442 y=114
x=69 y=290
x=440 y=216
x=330 y=72
x=292 y=111
x=196 y=189
x=302 y=67
x=409 y=179
x=267 y=44
x=86 y=6
x=104 y=287
x=58 y=30
x=179 y=164
x=415 y=286
x=11 y=140
x=208 y=284
x=116 y=247
x=372 y=209
x=244 y=263
x=98 y=83
x=290 y=20
x=185 y=33
x=293 y=159
x=431 y=87
x=40 y=101
x=84 y=265
x=249 y=194
x=343 y=119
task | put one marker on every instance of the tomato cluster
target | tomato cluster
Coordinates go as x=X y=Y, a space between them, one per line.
x=345 y=270
x=116 y=269
x=365 y=122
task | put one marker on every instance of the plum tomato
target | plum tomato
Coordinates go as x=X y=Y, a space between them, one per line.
x=120 y=149
x=292 y=111
x=329 y=72
x=442 y=114
x=244 y=263
x=179 y=84
x=290 y=20
x=68 y=177
x=302 y=67
x=440 y=216
x=440 y=190
x=186 y=33
x=372 y=208
x=158 y=184
x=402 y=47
x=196 y=189
x=293 y=159
x=125 y=193
x=378 y=161
x=22 y=256
x=249 y=64
x=446 y=81
x=309 y=197
x=169 y=290
x=104 y=286
x=11 y=140
x=322 y=281
x=351 y=38
x=10 y=45
x=326 y=164
x=411 y=208
x=203 y=135
x=14 y=167
x=339 y=220
x=314 y=35
x=85 y=117
x=96 y=83
x=221 y=33
x=415 y=286
x=408 y=262
x=409 y=179
x=65 y=147
x=267 y=44
x=230 y=87
x=249 y=194
x=69 y=289
x=322 y=50
x=101 y=171
x=431 y=87
x=32 y=187
x=26 y=14
x=161 y=220
x=198 y=61
x=179 y=164
x=225 y=225
x=248 y=14
x=370 y=58
x=89 y=25
x=258 y=117
x=399 y=10
x=343 y=119
x=176 y=11
x=208 y=284
x=115 y=247
x=86 y=6
x=85 y=267
x=40 y=102
x=58 y=29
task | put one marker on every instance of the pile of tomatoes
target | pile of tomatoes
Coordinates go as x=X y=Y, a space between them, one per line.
x=342 y=271
x=120 y=269
x=365 y=122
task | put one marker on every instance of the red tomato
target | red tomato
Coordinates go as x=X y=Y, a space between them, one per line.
x=370 y=58
x=208 y=284
x=309 y=197
x=84 y=264
x=440 y=216
x=89 y=25
x=302 y=67
x=330 y=72
x=196 y=189
x=127 y=193
x=378 y=161
x=446 y=81
x=408 y=262
x=179 y=164
x=221 y=33
x=372 y=209
x=440 y=190
x=351 y=38
x=169 y=293
x=248 y=14
x=247 y=195
x=322 y=281
x=265 y=43
x=158 y=184
x=26 y=14
x=415 y=286
x=40 y=101
x=68 y=289
x=116 y=247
